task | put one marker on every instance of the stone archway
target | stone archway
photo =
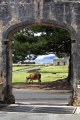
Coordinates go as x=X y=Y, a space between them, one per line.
x=8 y=41
x=16 y=15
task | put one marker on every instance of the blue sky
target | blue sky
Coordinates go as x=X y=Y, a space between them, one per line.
x=45 y=58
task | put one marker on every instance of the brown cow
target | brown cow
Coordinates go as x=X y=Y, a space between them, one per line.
x=34 y=76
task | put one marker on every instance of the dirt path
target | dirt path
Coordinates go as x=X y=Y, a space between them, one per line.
x=60 y=85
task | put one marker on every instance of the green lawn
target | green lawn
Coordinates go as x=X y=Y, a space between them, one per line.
x=18 y=68
x=50 y=73
x=57 y=69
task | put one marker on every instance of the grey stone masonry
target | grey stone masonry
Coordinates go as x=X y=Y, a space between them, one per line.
x=19 y=14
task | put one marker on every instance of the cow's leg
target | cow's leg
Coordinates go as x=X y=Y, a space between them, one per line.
x=39 y=81
x=26 y=79
x=32 y=81
x=29 y=81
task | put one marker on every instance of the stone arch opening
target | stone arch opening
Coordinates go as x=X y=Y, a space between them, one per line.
x=8 y=41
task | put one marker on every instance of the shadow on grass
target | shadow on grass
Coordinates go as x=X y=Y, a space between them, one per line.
x=60 y=84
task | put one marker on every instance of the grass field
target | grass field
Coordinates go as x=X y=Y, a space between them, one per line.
x=48 y=74
x=21 y=67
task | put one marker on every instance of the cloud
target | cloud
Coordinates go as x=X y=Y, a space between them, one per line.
x=50 y=56
x=45 y=58
x=40 y=56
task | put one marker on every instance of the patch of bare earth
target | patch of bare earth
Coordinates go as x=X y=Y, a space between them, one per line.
x=58 y=86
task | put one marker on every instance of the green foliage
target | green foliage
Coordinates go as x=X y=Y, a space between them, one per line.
x=52 y=40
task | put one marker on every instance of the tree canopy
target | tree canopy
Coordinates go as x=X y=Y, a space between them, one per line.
x=41 y=40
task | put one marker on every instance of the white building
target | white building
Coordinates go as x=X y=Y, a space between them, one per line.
x=61 y=61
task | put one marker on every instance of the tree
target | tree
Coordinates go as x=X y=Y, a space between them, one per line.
x=51 y=40
x=58 y=42
x=21 y=46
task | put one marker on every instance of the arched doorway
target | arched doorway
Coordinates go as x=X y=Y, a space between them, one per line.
x=9 y=33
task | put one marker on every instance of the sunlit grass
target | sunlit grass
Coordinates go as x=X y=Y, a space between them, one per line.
x=48 y=74
x=57 y=69
x=19 y=78
x=21 y=67
x=18 y=68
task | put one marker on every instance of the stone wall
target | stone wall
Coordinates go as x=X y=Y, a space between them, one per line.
x=19 y=14
x=61 y=62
